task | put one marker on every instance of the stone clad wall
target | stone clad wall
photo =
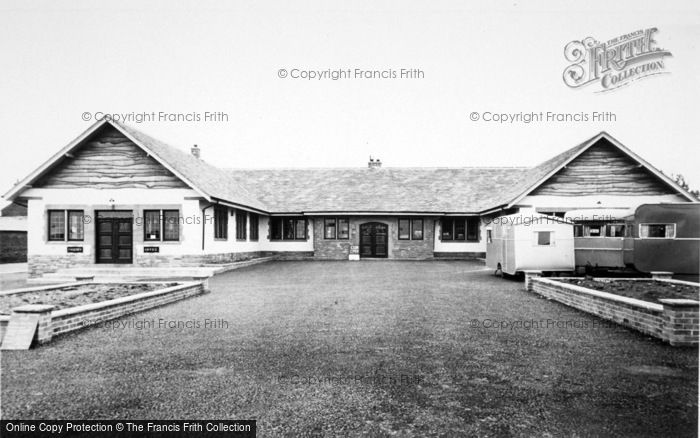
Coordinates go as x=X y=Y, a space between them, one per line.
x=339 y=249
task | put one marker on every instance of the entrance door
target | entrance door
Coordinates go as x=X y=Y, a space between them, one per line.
x=374 y=240
x=114 y=237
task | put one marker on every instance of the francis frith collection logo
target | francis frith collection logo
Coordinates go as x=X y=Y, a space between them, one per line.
x=614 y=63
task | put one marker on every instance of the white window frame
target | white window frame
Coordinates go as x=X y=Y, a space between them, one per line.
x=657 y=223
x=535 y=241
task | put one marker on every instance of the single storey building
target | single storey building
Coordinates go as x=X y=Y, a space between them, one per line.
x=117 y=196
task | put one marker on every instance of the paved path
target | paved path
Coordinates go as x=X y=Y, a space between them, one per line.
x=11 y=268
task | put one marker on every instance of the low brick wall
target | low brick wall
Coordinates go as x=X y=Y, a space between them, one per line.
x=673 y=321
x=75 y=318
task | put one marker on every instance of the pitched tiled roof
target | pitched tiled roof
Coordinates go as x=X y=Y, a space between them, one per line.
x=210 y=179
x=409 y=190
x=438 y=190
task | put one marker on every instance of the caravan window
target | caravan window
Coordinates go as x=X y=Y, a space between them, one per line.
x=544 y=238
x=615 y=230
x=593 y=230
x=657 y=231
x=489 y=236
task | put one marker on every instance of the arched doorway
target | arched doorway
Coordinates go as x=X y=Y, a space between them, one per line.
x=374 y=240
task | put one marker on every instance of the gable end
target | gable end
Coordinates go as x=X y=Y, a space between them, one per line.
x=109 y=160
x=603 y=169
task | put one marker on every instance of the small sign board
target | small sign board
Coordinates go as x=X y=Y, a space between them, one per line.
x=354 y=249
x=75 y=249
x=151 y=249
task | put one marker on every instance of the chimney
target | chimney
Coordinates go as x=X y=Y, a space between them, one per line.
x=195 y=151
x=374 y=164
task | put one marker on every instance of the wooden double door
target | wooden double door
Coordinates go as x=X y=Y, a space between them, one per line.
x=115 y=236
x=374 y=240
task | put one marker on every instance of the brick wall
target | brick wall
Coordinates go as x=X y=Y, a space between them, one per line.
x=649 y=318
x=67 y=320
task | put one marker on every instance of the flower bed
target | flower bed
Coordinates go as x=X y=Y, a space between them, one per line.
x=102 y=305
x=74 y=295
x=645 y=290
x=672 y=319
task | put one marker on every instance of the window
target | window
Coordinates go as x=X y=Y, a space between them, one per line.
x=57 y=225
x=75 y=225
x=489 y=236
x=220 y=222
x=300 y=233
x=473 y=229
x=417 y=229
x=161 y=225
x=448 y=229
x=66 y=225
x=275 y=228
x=254 y=226
x=657 y=231
x=171 y=225
x=593 y=230
x=544 y=238
x=241 y=224
x=287 y=228
x=404 y=229
x=578 y=230
x=410 y=229
x=460 y=229
x=615 y=230
x=343 y=228
x=151 y=228
x=329 y=229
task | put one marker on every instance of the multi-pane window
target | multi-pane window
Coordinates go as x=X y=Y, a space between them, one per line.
x=161 y=225
x=615 y=230
x=66 y=225
x=287 y=228
x=220 y=222
x=75 y=225
x=410 y=229
x=151 y=225
x=57 y=225
x=241 y=225
x=460 y=229
x=171 y=225
x=657 y=231
x=343 y=228
x=336 y=228
x=254 y=230
x=600 y=230
x=329 y=228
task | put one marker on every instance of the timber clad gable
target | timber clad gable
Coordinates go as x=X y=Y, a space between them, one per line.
x=109 y=160
x=603 y=169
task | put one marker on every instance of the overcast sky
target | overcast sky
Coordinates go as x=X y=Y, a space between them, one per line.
x=60 y=60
